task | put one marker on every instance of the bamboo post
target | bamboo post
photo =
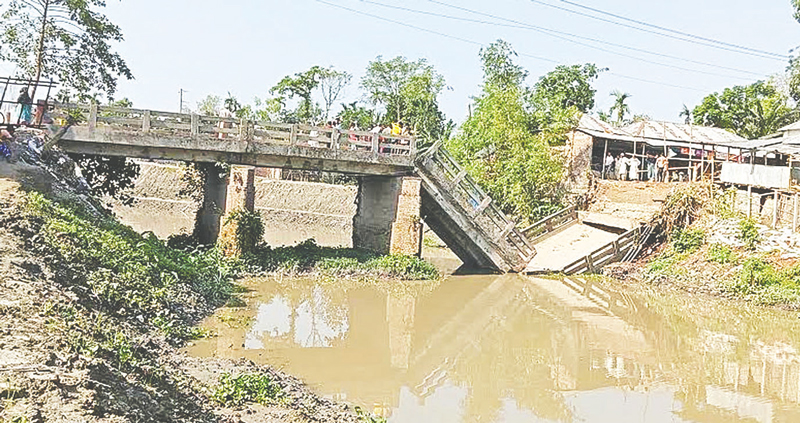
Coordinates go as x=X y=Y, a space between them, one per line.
x=603 y=160
x=795 y=212
x=775 y=210
x=749 y=201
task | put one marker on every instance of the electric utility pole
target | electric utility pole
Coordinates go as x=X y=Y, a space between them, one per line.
x=181 y=91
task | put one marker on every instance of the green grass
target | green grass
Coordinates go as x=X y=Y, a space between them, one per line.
x=308 y=257
x=748 y=234
x=246 y=388
x=722 y=254
x=688 y=240
x=124 y=274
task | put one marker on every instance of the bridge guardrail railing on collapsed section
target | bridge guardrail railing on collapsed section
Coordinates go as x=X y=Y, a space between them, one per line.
x=609 y=253
x=193 y=125
x=479 y=206
x=551 y=224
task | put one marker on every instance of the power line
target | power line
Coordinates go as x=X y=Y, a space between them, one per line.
x=359 y=12
x=772 y=56
x=686 y=34
x=553 y=33
x=453 y=37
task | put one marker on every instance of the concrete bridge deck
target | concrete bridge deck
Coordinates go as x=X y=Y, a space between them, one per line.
x=148 y=134
x=451 y=203
x=572 y=242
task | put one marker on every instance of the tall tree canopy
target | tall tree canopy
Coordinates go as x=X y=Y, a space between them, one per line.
x=409 y=92
x=751 y=111
x=620 y=108
x=67 y=40
x=328 y=81
x=504 y=145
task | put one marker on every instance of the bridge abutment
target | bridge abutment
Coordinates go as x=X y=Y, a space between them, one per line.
x=387 y=217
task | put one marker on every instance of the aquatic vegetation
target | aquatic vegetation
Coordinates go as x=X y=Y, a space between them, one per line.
x=308 y=257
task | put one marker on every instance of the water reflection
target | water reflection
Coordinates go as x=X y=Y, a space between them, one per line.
x=514 y=349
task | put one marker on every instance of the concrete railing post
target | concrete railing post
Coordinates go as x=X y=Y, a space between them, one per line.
x=146 y=122
x=195 y=125
x=92 y=117
x=375 y=143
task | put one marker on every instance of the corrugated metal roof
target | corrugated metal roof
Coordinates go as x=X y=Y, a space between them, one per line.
x=597 y=126
x=678 y=132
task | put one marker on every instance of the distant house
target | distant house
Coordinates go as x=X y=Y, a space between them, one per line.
x=692 y=150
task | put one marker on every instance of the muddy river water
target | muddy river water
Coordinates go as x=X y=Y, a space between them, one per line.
x=519 y=349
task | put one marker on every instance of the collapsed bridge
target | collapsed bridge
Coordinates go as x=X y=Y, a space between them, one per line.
x=398 y=186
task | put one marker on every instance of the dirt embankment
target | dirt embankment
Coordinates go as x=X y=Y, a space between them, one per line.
x=637 y=201
x=292 y=211
x=48 y=375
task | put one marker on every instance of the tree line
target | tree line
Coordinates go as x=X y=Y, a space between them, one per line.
x=509 y=142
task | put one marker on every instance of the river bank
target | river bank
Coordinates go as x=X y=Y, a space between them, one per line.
x=92 y=315
x=702 y=245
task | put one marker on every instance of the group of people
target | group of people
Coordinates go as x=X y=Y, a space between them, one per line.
x=627 y=166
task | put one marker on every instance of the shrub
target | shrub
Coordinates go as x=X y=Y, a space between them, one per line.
x=687 y=240
x=748 y=233
x=721 y=253
x=757 y=272
x=249 y=229
x=237 y=390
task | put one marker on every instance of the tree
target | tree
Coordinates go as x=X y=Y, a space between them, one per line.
x=796 y=6
x=112 y=176
x=560 y=97
x=502 y=145
x=332 y=84
x=751 y=111
x=568 y=86
x=686 y=113
x=620 y=107
x=67 y=40
x=210 y=106
x=364 y=118
x=408 y=92
x=301 y=86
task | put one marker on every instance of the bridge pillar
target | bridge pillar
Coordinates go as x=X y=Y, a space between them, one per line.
x=207 y=221
x=387 y=218
x=241 y=195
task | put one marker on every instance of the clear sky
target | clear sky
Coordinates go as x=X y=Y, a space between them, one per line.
x=246 y=46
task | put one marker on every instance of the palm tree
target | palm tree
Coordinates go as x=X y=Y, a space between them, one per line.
x=687 y=114
x=620 y=108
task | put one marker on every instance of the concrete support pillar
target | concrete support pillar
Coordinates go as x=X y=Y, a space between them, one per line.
x=208 y=218
x=241 y=196
x=241 y=189
x=387 y=218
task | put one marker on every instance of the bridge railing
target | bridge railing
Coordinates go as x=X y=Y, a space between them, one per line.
x=477 y=204
x=551 y=223
x=223 y=128
x=607 y=254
